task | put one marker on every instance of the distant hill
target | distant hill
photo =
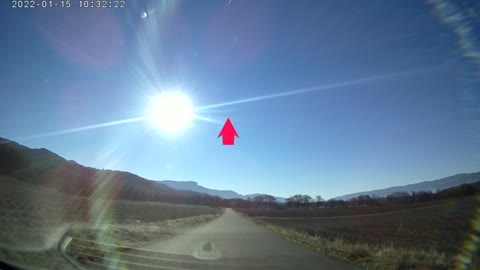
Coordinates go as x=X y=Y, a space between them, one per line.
x=226 y=194
x=194 y=186
x=435 y=185
x=47 y=169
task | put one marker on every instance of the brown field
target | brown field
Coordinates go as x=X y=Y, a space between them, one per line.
x=33 y=219
x=438 y=228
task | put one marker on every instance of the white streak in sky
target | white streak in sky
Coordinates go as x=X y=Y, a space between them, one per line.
x=65 y=131
x=382 y=77
x=208 y=119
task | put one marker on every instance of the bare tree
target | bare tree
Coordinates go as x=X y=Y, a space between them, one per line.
x=264 y=201
x=299 y=200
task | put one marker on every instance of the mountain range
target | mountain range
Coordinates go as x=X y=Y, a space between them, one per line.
x=434 y=185
x=45 y=168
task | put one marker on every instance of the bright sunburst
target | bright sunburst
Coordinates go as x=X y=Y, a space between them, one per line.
x=171 y=111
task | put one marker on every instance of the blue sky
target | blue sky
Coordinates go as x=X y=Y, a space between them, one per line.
x=415 y=119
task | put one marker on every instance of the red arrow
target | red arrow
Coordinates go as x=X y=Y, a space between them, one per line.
x=228 y=132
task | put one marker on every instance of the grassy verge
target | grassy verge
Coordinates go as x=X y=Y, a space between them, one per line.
x=123 y=238
x=138 y=235
x=369 y=256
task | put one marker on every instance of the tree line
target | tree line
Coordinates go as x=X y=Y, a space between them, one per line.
x=306 y=201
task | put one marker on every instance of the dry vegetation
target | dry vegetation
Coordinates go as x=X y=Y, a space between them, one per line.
x=33 y=219
x=416 y=237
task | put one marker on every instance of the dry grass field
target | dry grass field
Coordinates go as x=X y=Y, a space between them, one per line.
x=422 y=236
x=33 y=219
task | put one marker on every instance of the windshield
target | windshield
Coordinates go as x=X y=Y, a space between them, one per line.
x=239 y=134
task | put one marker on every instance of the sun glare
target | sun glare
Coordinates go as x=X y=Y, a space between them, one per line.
x=171 y=112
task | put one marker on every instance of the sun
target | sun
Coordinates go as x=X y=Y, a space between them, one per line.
x=171 y=111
